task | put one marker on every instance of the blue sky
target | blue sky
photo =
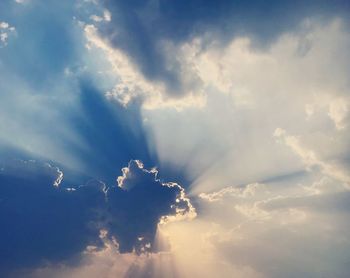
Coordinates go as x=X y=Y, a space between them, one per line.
x=174 y=138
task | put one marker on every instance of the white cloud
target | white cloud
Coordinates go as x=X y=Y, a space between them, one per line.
x=281 y=231
x=59 y=179
x=131 y=84
x=3 y=37
x=249 y=93
x=107 y=16
x=4 y=25
x=310 y=159
x=338 y=112
x=6 y=30
x=96 y=18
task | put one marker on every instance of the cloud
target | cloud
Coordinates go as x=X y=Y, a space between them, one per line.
x=338 y=112
x=5 y=32
x=21 y=1
x=277 y=231
x=131 y=85
x=285 y=211
x=309 y=157
x=109 y=262
x=105 y=17
x=254 y=231
x=47 y=223
x=43 y=222
x=250 y=93
x=49 y=112
x=140 y=29
x=140 y=202
x=248 y=116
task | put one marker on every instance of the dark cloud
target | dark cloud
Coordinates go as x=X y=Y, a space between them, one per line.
x=137 y=27
x=139 y=202
x=46 y=223
x=41 y=222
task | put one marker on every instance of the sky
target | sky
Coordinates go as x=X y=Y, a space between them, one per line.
x=187 y=138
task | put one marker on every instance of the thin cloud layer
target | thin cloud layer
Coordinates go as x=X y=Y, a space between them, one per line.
x=291 y=231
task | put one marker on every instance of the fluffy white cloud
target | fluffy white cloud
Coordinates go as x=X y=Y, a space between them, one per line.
x=6 y=30
x=298 y=84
